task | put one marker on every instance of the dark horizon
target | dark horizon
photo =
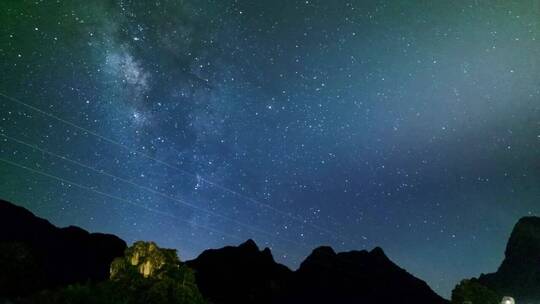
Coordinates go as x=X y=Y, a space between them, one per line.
x=413 y=126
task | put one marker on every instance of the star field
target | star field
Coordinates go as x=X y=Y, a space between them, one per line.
x=410 y=125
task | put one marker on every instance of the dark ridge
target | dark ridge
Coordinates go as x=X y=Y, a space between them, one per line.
x=249 y=245
x=357 y=277
x=244 y=274
x=519 y=274
x=34 y=254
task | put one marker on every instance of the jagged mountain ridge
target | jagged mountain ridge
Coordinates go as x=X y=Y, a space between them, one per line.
x=241 y=274
x=324 y=277
x=357 y=276
x=34 y=254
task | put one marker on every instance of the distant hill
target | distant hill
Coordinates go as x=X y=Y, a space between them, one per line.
x=242 y=274
x=519 y=274
x=245 y=274
x=34 y=254
x=357 y=277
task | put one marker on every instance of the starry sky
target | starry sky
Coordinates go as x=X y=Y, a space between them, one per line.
x=410 y=125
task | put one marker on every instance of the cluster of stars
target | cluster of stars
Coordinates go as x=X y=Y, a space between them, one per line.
x=349 y=123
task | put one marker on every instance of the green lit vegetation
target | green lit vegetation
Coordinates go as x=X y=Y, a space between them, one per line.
x=146 y=274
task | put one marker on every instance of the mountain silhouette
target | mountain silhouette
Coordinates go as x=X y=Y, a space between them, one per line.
x=34 y=254
x=245 y=274
x=242 y=274
x=519 y=274
x=357 y=277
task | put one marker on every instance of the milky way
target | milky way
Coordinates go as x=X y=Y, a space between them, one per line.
x=414 y=126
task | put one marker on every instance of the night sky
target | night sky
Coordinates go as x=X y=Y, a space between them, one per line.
x=410 y=125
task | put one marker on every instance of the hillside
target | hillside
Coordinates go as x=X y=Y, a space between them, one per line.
x=518 y=275
x=35 y=255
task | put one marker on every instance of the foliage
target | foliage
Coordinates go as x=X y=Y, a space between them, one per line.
x=170 y=282
x=21 y=274
x=147 y=259
x=471 y=291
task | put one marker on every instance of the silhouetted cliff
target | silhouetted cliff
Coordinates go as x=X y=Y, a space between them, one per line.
x=244 y=274
x=519 y=274
x=357 y=277
x=34 y=254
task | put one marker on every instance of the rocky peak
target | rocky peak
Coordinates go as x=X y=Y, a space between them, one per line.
x=377 y=251
x=519 y=274
x=325 y=256
x=357 y=277
x=323 y=251
x=249 y=245
x=244 y=274
x=524 y=243
x=147 y=257
x=239 y=274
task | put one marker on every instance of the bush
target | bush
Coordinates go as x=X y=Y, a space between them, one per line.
x=147 y=274
x=471 y=291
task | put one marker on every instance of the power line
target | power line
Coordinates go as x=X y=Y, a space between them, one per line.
x=174 y=167
x=142 y=187
x=156 y=211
